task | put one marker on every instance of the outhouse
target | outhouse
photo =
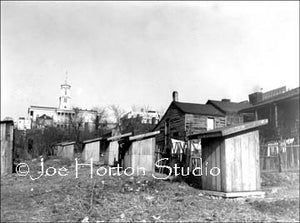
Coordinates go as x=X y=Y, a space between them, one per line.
x=91 y=149
x=140 y=152
x=111 y=155
x=65 y=150
x=7 y=135
x=235 y=151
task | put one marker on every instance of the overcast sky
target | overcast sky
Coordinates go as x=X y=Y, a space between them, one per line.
x=129 y=53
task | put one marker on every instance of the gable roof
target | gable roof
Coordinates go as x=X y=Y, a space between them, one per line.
x=192 y=108
x=198 y=109
x=228 y=106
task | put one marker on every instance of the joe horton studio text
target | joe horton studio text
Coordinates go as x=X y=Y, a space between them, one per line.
x=23 y=169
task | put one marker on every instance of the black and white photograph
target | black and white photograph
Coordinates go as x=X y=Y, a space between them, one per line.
x=150 y=111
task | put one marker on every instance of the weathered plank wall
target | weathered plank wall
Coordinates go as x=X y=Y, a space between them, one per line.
x=287 y=160
x=91 y=150
x=237 y=157
x=66 y=151
x=141 y=154
x=176 y=128
x=112 y=153
x=211 y=157
x=233 y=119
x=242 y=163
x=198 y=123
x=7 y=132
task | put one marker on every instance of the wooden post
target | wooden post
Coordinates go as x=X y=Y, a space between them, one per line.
x=276 y=116
x=256 y=115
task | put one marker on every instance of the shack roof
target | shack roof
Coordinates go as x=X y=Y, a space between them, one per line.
x=228 y=106
x=144 y=136
x=7 y=121
x=201 y=109
x=92 y=140
x=225 y=131
x=65 y=143
x=294 y=93
x=119 y=137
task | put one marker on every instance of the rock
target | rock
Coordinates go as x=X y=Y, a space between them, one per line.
x=86 y=219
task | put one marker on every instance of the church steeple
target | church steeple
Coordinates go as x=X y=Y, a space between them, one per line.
x=65 y=99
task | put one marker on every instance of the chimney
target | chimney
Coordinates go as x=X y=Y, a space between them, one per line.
x=225 y=100
x=255 y=98
x=175 y=96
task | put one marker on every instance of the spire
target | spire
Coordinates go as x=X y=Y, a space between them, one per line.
x=66 y=81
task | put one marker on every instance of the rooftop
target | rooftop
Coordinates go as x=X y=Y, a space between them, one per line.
x=203 y=109
x=281 y=97
x=227 y=106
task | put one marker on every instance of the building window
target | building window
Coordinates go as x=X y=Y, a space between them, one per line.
x=210 y=123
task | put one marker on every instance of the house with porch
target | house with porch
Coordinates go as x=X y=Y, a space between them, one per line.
x=281 y=108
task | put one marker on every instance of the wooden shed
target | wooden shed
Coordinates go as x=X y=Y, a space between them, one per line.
x=7 y=135
x=91 y=149
x=235 y=151
x=112 y=151
x=141 y=152
x=65 y=150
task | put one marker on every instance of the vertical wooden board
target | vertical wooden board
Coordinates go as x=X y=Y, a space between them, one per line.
x=251 y=160
x=91 y=150
x=223 y=166
x=229 y=158
x=235 y=177
x=213 y=164
x=218 y=161
x=246 y=171
x=233 y=165
x=147 y=159
x=207 y=161
x=239 y=163
x=113 y=152
x=133 y=157
x=68 y=151
x=204 y=157
x=252 y=165
x=206 y=167
x=256 y=137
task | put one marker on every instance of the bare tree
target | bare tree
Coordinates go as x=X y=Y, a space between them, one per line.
x=101 y=119
x=134 y=108
x=161 y=112
x=117 y=113
x=76 y=121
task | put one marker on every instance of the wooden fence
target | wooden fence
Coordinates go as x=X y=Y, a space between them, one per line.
x=279 y=159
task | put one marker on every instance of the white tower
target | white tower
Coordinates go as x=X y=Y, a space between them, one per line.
x=65 y=99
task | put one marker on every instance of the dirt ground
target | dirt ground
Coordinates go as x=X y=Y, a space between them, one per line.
x=136 y=199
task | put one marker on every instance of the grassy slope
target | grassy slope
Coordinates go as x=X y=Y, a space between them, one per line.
x=133 y=199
